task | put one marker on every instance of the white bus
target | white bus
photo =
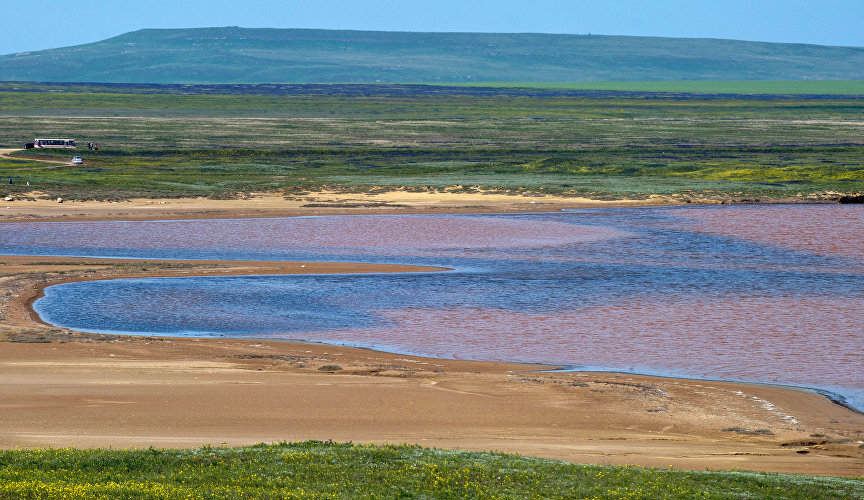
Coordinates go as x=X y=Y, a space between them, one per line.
x=54 y=143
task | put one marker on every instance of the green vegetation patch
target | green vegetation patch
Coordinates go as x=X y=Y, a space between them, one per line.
x=775 y=87
x=223 y=142
x=330 y=470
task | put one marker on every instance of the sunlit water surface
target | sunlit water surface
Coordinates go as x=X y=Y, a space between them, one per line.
x=751 y=293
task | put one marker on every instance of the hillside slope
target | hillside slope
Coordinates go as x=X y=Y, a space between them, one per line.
x=241 y=55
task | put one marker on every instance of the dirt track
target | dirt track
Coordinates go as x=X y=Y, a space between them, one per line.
x=7 y=153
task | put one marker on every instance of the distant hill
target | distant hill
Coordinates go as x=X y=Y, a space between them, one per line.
x=243 y=55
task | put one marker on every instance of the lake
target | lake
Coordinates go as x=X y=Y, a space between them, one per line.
x=745 y=293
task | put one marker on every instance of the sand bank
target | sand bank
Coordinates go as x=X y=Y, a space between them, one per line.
x=34 y=207
x=63 y=388
x=140 y=392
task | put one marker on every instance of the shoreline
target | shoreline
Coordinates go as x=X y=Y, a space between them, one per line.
x=275 y=268
x=210 y=268
x=118 y=391
x=834 y=397
x=33 y=208
x=70 y=388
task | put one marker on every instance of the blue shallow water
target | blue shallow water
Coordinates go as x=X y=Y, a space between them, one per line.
x=624 y=289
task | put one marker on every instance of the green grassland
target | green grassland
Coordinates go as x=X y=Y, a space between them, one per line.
x=156 y=142
x=327 y=470
x=746 y=87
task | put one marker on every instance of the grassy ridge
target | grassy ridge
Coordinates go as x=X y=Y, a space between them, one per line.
x=240 y=55
x=324 y=470
x=222 y=141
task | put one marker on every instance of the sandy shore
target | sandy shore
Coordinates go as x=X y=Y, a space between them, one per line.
x=33 y=206
x=63 y=388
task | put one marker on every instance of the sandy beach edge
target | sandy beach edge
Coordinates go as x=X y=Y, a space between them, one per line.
x=74 y=389
x=34 y=206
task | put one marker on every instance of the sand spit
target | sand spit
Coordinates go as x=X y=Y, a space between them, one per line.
x=34 y=207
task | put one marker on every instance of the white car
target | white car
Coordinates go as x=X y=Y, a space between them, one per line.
x=77 y=160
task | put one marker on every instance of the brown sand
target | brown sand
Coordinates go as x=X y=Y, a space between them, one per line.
x=63 y=388
x=33 y=206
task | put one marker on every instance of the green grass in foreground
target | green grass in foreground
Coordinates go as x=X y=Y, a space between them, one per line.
x=322 y=470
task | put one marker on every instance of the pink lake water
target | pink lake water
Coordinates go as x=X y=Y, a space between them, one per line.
x=749 y=293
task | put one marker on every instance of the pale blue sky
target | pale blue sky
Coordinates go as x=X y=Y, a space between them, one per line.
x=51 y=23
